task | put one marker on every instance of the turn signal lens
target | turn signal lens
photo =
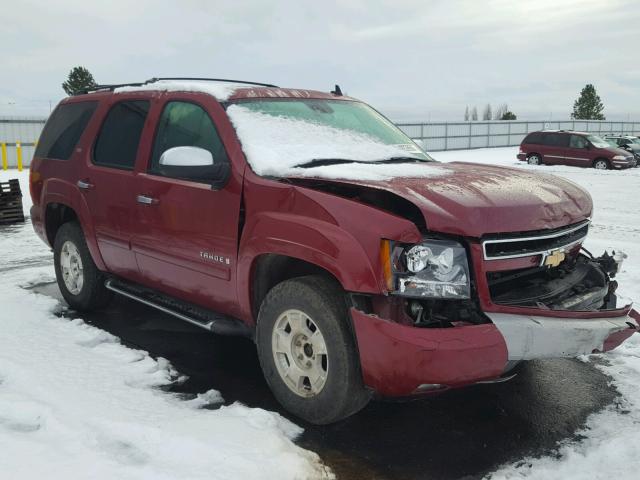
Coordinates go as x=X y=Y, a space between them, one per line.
x=385 y=261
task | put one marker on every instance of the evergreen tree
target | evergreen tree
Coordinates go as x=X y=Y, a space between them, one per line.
x=508 y=115
x=588 y=106
x=474 y=114
x=466 y=114
x=79 y=79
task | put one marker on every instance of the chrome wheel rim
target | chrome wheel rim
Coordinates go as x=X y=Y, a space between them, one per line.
x=300 y=353
x=71 y=268
x=600 y=165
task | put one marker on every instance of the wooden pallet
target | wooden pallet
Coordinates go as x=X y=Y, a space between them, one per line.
x=11 y=202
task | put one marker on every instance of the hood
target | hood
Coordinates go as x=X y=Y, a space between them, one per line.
x=473 y=200
x=618 y=151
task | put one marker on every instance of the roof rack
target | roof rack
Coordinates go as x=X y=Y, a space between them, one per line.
x=226 y=80
x=113 y=86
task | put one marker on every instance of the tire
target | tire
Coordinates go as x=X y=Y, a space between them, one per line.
x=72 y=260
x=534 y=159
x=302 y=304
x=601 y=164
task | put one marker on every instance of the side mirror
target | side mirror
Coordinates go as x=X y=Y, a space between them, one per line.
x=195 y=164
x=186 y=157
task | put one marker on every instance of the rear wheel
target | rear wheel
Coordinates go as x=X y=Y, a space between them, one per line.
x=307 y=352
x=601 y=164
x=79 y=280
x=534 y=159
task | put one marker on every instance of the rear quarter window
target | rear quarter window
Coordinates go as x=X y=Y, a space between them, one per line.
x=63 y=130
x=533 y=139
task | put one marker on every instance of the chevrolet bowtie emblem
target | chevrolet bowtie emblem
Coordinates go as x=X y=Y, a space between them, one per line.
x=554 y=259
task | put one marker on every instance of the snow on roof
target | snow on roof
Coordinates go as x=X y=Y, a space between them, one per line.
x=220 y=90
x=274 y=145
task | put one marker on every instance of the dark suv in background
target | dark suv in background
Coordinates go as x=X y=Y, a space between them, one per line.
x=579 y=149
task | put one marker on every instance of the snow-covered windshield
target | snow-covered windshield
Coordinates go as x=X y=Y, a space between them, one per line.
x=282 y=137
x=598 y=142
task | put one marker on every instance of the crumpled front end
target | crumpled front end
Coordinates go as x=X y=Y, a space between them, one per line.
x=533 y=295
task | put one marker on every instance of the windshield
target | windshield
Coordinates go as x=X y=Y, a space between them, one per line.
x=611 y=142
x=281 y=134
x=598 y=142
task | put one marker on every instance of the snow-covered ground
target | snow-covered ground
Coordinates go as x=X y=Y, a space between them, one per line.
x=75 y=403
x=610 y=444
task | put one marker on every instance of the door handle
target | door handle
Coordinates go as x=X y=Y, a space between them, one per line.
x=84 y=185
x=145 y=200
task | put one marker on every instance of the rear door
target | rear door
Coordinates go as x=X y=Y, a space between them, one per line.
x=187 y=232
x=579 y=152
x=108 y=182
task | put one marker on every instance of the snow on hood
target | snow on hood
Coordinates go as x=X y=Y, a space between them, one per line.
x=275 y=145
x=221 y=91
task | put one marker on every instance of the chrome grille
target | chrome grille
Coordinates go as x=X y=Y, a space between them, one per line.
x=529 y=244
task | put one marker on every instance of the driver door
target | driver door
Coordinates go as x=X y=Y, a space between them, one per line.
x=187 y=230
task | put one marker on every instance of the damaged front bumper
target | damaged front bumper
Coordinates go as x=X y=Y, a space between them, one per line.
x=570 y=311
x=400 y=360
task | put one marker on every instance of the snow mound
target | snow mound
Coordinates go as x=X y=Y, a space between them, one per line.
x=274 y=145
x=83 y=405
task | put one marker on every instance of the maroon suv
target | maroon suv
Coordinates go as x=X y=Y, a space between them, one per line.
x=308 y=222
x=579 y=149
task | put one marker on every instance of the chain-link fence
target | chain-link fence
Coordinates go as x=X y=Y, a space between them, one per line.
x=435 y=136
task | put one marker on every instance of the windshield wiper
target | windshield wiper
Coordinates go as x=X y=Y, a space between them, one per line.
x=320 y=162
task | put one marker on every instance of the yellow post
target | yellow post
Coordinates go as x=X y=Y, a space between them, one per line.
x=5 y=164
x=19 y=155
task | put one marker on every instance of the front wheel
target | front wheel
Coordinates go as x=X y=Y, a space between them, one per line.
x=79 y=280
x=307 y=352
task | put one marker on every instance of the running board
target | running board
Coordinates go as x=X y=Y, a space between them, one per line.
x=211 y=321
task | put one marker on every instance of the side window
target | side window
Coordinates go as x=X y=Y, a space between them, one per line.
x=119 y=137
x=63 y=130
x=185 y=124
x=578 y=142
x=533 y=139
x=556 y=140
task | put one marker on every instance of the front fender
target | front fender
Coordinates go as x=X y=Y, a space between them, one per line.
x=315 y=241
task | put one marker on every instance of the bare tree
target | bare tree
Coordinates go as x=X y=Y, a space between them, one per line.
x=500 y=111
x=466 y=114
x=474 y=114
x=486 y=114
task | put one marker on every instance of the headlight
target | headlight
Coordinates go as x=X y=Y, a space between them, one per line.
x=619 y=157
x=432 y=269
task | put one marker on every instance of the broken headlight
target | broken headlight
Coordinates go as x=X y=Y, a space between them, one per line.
x=431 y=269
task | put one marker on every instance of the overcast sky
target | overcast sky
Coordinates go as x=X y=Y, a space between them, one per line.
x=414 y=60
